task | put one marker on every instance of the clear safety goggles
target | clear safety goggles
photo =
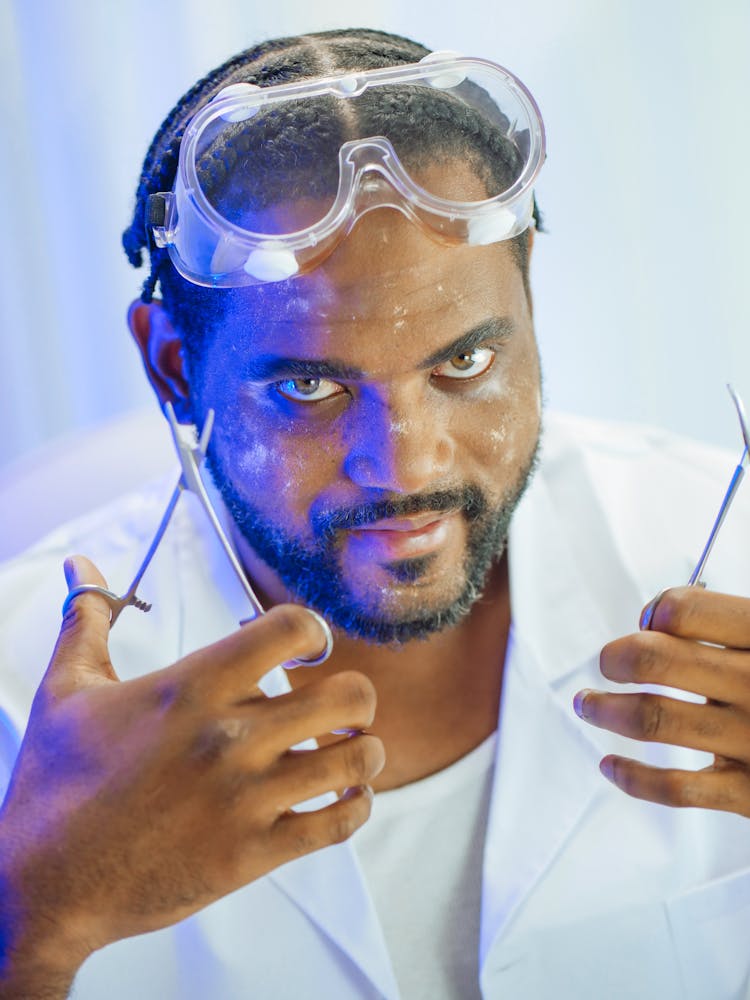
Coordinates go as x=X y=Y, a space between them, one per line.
x=271 y=179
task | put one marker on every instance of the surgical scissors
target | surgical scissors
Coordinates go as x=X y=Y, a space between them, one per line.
x=191 y=451
x=734 y=484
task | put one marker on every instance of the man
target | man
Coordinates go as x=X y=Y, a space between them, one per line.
x=371 y=364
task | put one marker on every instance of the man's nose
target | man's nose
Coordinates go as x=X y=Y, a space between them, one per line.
x=397 y=441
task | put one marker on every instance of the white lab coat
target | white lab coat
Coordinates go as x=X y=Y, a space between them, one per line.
x=587 y=893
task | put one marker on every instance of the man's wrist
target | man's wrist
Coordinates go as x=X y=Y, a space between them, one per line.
x=34 y=963
x=38 y=958
x=34 y=981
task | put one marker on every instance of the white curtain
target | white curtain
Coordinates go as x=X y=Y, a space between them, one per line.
x=641 y=284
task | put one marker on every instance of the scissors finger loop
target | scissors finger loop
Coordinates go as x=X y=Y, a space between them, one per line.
x=328 y=646
x=90 y=588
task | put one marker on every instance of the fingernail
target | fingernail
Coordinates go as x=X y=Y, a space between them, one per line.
x=579 y=703
x=71 y=572
x=355 y=790
x=607 y=767
x=647 y=615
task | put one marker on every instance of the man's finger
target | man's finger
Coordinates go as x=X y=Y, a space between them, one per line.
x=304 y=774
x=81 y=654
x=695 y=613
x=228 y=671
x=343 y=701
x=657 y=719
x=301 y=833
x=725 y=788
x=658 y=658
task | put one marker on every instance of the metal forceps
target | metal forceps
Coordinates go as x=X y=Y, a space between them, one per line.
x=191 y=451
x=734 y=484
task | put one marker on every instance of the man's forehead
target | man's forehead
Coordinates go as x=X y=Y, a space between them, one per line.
x=386 y=279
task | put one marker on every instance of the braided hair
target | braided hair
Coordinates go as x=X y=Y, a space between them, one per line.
x=194 y=309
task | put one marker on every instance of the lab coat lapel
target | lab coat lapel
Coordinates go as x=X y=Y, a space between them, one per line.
x=545 y=777
x=561 y=554
x=329 y=887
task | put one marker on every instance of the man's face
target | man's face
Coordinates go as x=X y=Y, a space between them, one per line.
x=376 y=422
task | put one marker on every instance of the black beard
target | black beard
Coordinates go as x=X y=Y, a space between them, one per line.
x=311 y=570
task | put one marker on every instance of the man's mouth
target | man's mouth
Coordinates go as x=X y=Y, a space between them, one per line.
x=397 y=538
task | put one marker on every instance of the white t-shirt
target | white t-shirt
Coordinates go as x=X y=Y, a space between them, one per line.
x=421 y=852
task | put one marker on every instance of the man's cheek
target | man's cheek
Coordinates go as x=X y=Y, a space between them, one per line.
x=496 y=442
x=266 y=475
x=254 y=462
x=278 y=478
x=512 y=428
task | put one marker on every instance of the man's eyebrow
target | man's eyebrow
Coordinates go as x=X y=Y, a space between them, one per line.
x=274 y=367
x=495 y=328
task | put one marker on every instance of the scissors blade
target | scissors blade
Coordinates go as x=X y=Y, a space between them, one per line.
x=734 y=484
x=192 y=450
x=743 y=422
x=129 y=595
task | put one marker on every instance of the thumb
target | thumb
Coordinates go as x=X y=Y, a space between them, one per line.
x=81 y=654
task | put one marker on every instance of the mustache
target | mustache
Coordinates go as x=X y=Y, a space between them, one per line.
x=469 y=500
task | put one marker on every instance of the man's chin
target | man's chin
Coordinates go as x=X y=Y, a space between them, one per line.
x=403 y=612
x=411 y=571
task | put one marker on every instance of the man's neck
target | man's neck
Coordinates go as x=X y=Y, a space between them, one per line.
x=437 y=698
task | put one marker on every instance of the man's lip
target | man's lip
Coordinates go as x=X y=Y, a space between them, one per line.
x=398 y=538
x=415 y=523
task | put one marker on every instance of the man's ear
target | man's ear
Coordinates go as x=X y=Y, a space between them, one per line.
x=162 y=353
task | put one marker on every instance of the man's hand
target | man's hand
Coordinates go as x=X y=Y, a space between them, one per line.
x=134 y=804
x=700 y=642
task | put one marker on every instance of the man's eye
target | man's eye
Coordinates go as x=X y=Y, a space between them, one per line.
x=308 y=390
x=469 y=365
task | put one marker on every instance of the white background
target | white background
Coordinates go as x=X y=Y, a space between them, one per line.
x=641 y=283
